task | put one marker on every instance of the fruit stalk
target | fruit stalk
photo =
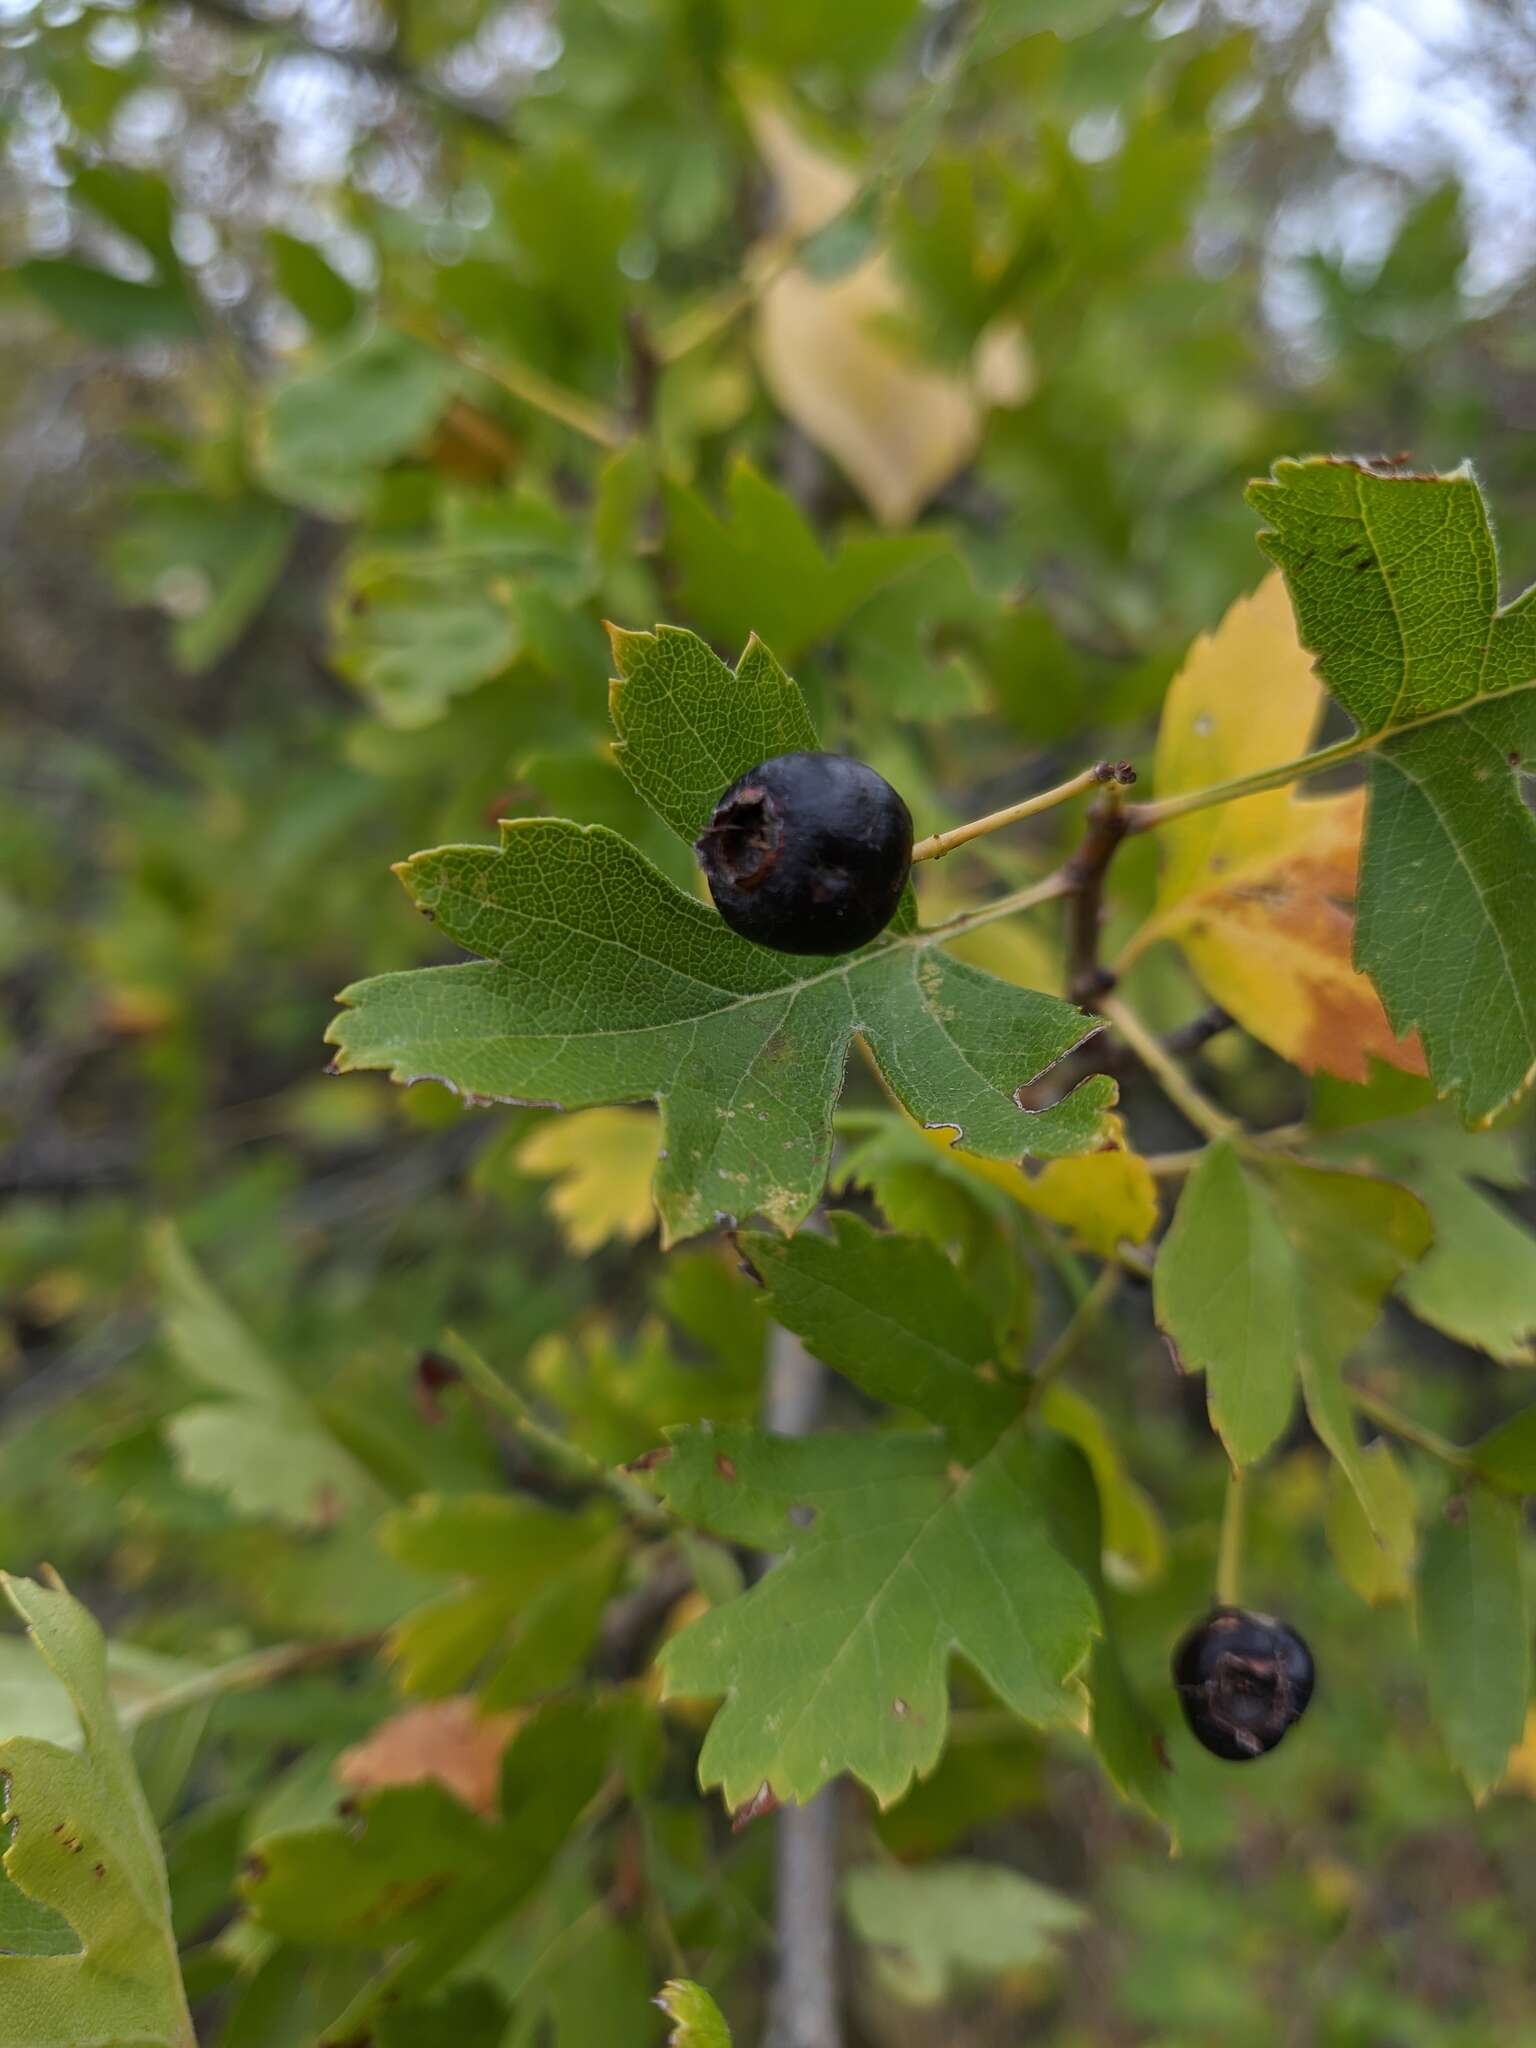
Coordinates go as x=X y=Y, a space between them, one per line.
x=937 y=844
x=1229 y=1551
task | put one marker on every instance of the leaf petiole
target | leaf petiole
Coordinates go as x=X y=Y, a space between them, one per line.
x=1079 y=1324
x=1168 y=1074
x=559 y=1450
x=1391 y=1419
x=1144 y=817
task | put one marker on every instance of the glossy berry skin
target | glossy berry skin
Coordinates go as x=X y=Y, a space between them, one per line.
x=808 y=853
x=1243 y=1680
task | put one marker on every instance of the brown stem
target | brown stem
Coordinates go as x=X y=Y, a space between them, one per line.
x=1088 y=980
x=1194 y=1036
x=644 y=371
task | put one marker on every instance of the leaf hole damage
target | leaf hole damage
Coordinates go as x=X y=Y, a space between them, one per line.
x=802 y=1514
x=726 y=1467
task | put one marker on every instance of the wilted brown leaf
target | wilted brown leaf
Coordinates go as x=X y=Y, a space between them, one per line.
x=447 y=1741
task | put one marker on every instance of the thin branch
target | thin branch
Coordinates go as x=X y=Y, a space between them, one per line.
x=937 y=844
x=1282 y=1138
x=1391 y=1419
x=1167 y=1073
x=246 y=1674
x=573 y=409
x=1083 y=1319
x=383 y=65
x=1172 y=1165
x=1087 y=980
x=1194 y=1036
x=558 y=1450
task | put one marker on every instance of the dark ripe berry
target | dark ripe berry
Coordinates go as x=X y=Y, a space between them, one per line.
x=808 y=853
x=1243 y=1680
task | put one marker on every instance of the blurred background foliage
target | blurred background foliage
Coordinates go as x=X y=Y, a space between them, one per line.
x=362 y=356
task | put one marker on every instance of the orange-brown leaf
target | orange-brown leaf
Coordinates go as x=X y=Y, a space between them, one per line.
x=1259 y=893
x=447 y=1741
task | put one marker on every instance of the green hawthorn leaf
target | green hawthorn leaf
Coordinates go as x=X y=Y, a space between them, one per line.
x=261 y=1443
x=413 y=631
x=136 y=203
x=1134 y=1541
x=954 y=1920
x=1127 y=1739
x=1270 y=1265
x=908 y=649
x=107 y=308
x=83 y=1848
x=578 y=1971
x=1374 y=1551
x=764 y=572
x=604 y=983
x=700 y=2022
x=1475 y=1633
x=386 y=1881
x=615 y=1399
x=1478 y=1281
x=601 y=982
x=34 y=1702
x=208 y=563
x=534 y=1582
x=351 y=410
x=1395 y=580
x=416 y=623
x=931 y=1190
x=1224 y=1290
x=895 y=1557
x=413 y=1874
x=319 y=294
x=471 y=2015
x=1354 y=1238
x=688 y=726
x=891 y=1314
x=1506 y=1456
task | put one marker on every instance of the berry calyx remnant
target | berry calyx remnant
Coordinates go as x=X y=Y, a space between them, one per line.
x=1243 y=1680
x=808 y=853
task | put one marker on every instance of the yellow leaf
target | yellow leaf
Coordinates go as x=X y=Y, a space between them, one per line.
x=900 y=428
x=1259 y=893
x=604 y=1160
x=1104 y=1198
x=1521 y=1775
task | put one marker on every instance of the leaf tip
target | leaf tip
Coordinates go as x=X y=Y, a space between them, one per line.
x=625 y=646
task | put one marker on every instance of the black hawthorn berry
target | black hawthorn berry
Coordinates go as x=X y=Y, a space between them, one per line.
x=1243 y=1680
x=808 y=853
